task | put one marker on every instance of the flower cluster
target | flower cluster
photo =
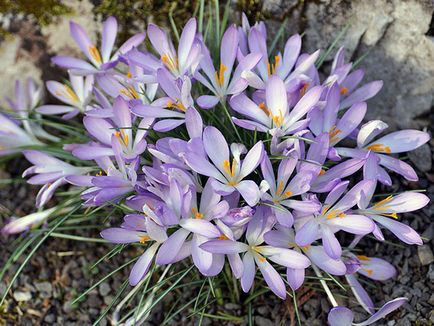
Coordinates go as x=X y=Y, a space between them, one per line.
x=245 y=157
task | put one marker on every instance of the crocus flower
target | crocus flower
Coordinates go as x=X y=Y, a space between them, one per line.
x=76 y=97
x=22 y=107
x=282 y=65
x=326 y=119
x=138 y=229
x=13 y=138
x=348 y=82
x=170 y=109
x=27 y=97
x=186 y=59
x=275 y=113
x=371 y=267
x=334 y=216
x=395 y=142
x=49 y=172
x=284 y=237
x=220 y=82
x=21 y=224
x=342 y=316
x=102 y=59
x=283 y=188
x=196 y=219
x=257 y=255
x=228 y=177
x=132 y=143
x=384 y=212
x=116 y=184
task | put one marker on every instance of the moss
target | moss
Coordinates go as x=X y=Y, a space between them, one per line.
x=128 y=11
x=43 y=10
x=252 y=9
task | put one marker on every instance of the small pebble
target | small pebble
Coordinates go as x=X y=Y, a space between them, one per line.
x=425 y=254
x=22 y=296
x=104 y=289
x=261 y=321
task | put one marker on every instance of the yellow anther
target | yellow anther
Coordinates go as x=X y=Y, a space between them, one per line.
x=279 y=188
x=227 y=167
x=287 y=194
x=344 y=90
x=130 y=92
x=99 y=174
x=392 y=215
x=364 y=258
x=333 y=133
x=262 y=259
x=379 y=148
x=303 y=90
x=196 y=214
x=122 y=137
x=264 y=108
x=223 y=237
x=369 y=271
x=342 y=215
x=278 y=119
x=176 y=105
x=321 y=172
x=129 y=74
x=333 y=213
x=170 y=63
x=144 y=238
x=271 y=68
x=94 y=53
x=220 y=75
x=306 y=247
x=381 y=203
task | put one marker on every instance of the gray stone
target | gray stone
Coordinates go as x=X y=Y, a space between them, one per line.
x=425 y=254
x=421 y=157
x=104 y=289
x=22 y=296
x=261 y=321
x=44 y=287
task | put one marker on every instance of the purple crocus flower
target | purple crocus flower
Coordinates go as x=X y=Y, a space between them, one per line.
x=132 y=143
x=196 y=219
x=76 y=97
x=117 y=182
x=22 y=224
x=275 y=114
x=284 y=237
x=141 y=229
x=384 y=212
x=395 y=142
x=220 y=82
x=342 y=316
x=257 y=255
x=326 y=119
x=27 y=97
x=334 y=216
x=100 y=60
x=283 y=64
x=228 y=177
x=49 y=172
x=186 y=59
x=348 y=81
x=13 y=138
x=171 y=109
x=283 y=188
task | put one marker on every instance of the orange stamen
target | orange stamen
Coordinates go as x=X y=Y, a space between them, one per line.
x=344 y=90
x=379 y=148
x=220 y=75
x=94 y=53
x=144 y=238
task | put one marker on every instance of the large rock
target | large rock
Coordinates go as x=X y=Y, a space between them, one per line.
x=395 y=35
